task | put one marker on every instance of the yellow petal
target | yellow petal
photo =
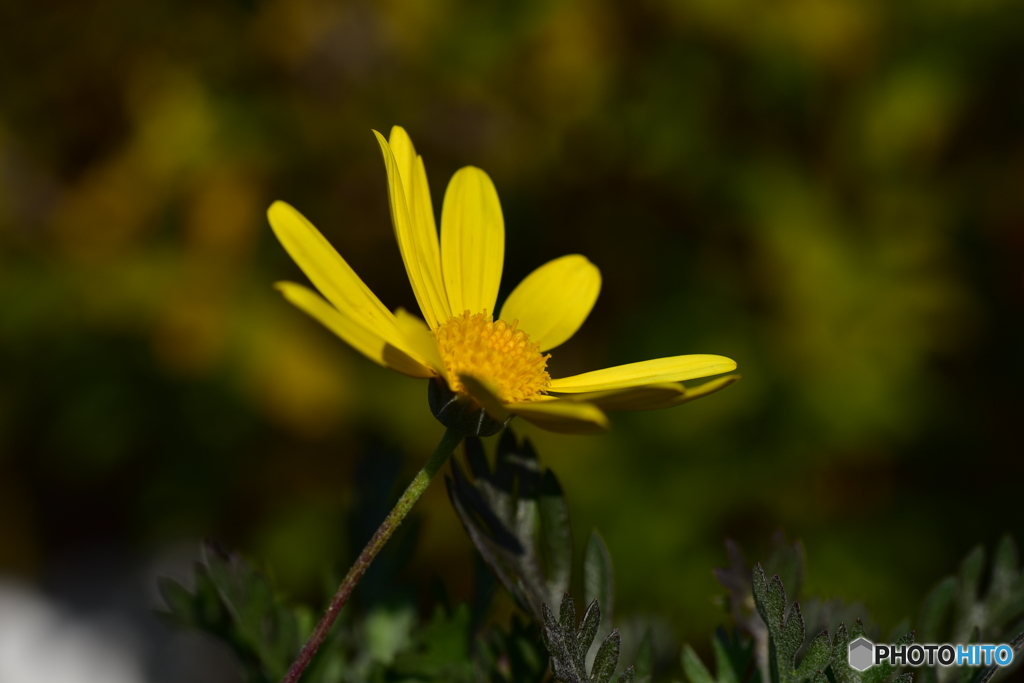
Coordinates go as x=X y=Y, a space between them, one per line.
x=693 y=393
x=674 y=369
x=420 y=340
x=472 y=242
x=485 y=395
x=417 y=241
x=421 y=213
x=554 y=300
x=564 y=417
x=647 y=397
x=330 y=273
x=405 y=156
x=353 y=331
x=421 y=209
x=652 y=396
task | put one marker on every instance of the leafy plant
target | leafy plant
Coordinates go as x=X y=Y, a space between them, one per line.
x=844 y=673
x=568 y=645
x=516 y=515
x=776 y=630
x=956 y=611
x=786 y=560
x=517 y=518
x=786 y=635
x=234 y=602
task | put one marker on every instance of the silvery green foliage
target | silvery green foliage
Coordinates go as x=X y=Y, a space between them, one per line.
x=772 y=643
x=235 y=603
x=517 y=518
x=786 y=635
x=955 y=611
x=569 y=643
x=844 y=673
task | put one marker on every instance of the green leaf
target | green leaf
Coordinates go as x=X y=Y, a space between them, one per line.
x=233 y=602
x=598 y=576
x=644 y=661
x=732 y=658
x=567 y=614
x=555 y=534
x=561 y=643
x=439 y=650
x=589 y=629
x=517 y=518
x=180 y=602
x=1005 y=571
x=956 y=611
x=818 y=656
x=827 y=615
x=934 y=609
x=770 y=599
x=881 y=672
x=789 y=640
x=786 y=634
x=607 y=658
x=966 y=617
x=694 y=669
x=569 y=645
x=260 y=623
x=733 y=661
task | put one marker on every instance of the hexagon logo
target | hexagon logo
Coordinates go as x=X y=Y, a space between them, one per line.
x=862 y=653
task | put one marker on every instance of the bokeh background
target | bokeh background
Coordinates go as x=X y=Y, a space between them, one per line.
x=829 y=191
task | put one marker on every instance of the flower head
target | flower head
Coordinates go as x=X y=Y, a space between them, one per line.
x=484 y=369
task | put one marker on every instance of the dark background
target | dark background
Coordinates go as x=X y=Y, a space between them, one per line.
x=830 y=192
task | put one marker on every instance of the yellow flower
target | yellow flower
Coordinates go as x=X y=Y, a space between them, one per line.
x=475 y=361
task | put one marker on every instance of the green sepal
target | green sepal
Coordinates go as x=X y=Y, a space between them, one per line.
x=460 y=413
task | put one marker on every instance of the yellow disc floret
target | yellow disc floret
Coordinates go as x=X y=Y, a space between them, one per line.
x=495 y=352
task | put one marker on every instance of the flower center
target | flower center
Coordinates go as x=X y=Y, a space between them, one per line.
x=496 y=352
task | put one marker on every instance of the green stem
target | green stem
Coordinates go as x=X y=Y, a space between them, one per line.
x=445 y=448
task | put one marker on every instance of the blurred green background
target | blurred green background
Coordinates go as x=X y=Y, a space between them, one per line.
x=830 y=192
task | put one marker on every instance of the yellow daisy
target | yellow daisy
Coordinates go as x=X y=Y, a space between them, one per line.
x=482 y=370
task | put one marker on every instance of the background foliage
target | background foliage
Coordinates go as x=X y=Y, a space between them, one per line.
x=828 y=191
